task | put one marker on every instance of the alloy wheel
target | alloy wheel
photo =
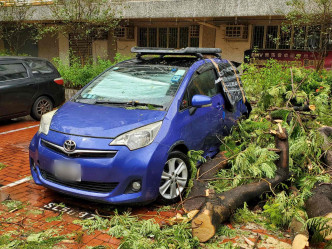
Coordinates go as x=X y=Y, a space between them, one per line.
x=43 y=107
x=174 y=178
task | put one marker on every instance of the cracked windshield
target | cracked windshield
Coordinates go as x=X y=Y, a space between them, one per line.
x=139 y=84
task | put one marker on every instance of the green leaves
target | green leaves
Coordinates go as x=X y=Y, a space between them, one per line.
x=136 y=233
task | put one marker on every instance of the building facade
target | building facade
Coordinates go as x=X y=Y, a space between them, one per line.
x=235 y=26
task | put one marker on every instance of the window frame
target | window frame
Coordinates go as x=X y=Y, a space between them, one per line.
x=189 y=38
x=186 y=93
x=292 y=37
x=16 y=62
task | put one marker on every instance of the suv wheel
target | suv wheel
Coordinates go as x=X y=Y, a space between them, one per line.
x=41 y=106
x=174 y=178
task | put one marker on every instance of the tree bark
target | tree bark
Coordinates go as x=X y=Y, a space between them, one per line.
x=218 y=208
x=326 y=133
x=199 y=191
x=320 y=204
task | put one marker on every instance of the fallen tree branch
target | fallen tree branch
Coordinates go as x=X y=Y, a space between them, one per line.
x=320 y=205
x=218 y=208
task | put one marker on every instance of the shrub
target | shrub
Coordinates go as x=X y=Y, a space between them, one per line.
x=77 y=75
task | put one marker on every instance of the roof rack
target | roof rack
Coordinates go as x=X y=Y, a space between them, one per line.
x=198 y=52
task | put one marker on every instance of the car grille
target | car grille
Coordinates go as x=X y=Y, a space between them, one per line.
x=79 y=153
x=101 y=187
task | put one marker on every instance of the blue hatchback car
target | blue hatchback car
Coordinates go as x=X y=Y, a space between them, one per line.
x=124 y=137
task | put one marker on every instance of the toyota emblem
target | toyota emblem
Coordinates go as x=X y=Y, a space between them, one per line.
x=69 y=145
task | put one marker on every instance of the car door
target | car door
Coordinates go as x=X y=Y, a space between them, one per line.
x=17 y=88
x=204 y=123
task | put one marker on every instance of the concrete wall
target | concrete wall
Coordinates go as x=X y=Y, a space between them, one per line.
x=99 y=49
x=207 y=37
x=63 y=49
x=232 y=49
x=184 y=8
x=48 y=47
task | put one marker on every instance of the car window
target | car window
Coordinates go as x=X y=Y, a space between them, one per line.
x=203 y=84
x=40 y=66
x=150 y=84
x=12 y=71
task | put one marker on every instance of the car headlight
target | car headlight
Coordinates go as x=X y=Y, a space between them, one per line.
x=138 y=138
x=45 y=122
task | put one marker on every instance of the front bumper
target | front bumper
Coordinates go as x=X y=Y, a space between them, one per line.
x=145 y=164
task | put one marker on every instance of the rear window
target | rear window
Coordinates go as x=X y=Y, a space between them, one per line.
x=40 y=66
x=12 y=71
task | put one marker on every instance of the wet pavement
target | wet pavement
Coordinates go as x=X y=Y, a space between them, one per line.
x=16 y=184
x=40 y=210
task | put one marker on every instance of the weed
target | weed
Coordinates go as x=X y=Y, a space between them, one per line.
x=13 y=205
x=2 y=166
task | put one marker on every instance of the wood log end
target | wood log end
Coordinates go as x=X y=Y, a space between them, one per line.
x=300 y=241
x=202 y=227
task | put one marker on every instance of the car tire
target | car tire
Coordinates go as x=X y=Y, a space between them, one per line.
x=41 y=106
x=175 y=178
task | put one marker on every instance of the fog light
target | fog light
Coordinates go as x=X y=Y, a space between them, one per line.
x=136 y=186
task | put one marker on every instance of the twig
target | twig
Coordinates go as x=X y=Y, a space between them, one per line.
x=294 y=92
x=223 y=161
x=228 y=178
x=225 y=145
x=20 y=223
x=180 y=194
x=190 y=198
x=256 y=242
x=269 y=186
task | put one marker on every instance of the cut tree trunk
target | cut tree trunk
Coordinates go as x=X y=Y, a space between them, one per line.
x=320 y=205
x=326 y=133
x=219 y=207
x=300 y=233
x=199 y=191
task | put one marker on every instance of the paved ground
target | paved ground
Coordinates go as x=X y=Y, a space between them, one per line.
x=40 y=213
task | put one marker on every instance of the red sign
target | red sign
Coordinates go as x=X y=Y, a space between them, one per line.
x=300 y=58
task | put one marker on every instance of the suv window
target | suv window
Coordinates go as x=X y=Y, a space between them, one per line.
x=12 y=71
x=203 y=83
x=40 y=66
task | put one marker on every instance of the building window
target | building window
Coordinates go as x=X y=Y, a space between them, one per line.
x=258 y=37
x=194 y=36
x=125 y=33
x=278 y=37
x=169 y=37
x=271 y=37
x=236 y=32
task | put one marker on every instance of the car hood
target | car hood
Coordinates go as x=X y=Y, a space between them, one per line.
x=101 y=121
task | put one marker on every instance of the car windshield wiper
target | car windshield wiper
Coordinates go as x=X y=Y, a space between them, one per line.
x=110 y=102
x=136 y=103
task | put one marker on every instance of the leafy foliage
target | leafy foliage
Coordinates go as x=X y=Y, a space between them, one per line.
x=195 y=157
x=135 y=233
x=77 y=75
x=275 y=90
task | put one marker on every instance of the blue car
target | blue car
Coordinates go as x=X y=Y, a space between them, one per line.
x=125 y=136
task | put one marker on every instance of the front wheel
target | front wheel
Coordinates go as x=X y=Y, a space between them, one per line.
x=41 y=106
x=174 y=178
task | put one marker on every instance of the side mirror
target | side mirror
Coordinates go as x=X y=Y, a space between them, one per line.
x=201 y=101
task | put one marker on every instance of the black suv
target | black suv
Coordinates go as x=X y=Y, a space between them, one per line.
x=28 y=85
